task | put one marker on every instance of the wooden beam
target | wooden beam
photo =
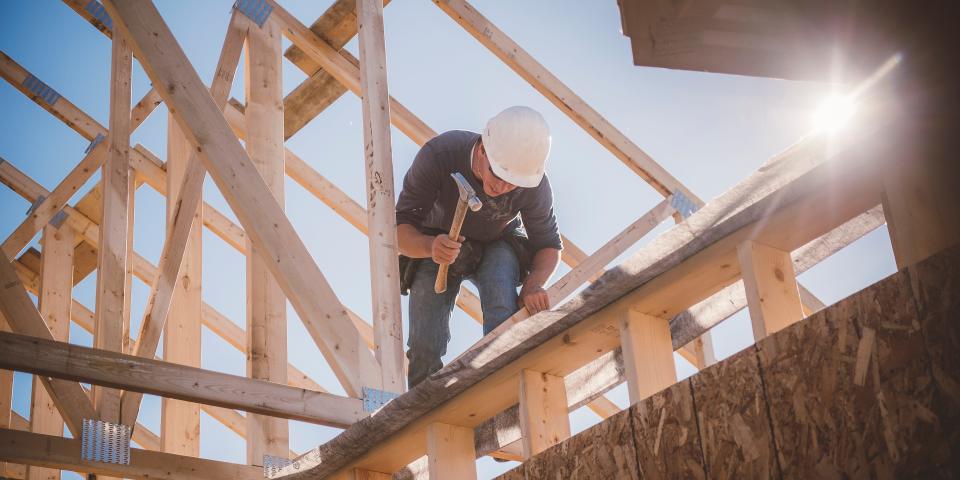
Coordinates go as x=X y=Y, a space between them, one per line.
x=563 y=97
x=117 y=370
x=52 y=204
x=266 y=305
x=543 y=412
x=381 y=215
x=55 y=299
x=248 y=195
x=113 y=293
x=450 y=452
x=57 y=452
x=647 y=354
x=771 y=288
x=23 y=318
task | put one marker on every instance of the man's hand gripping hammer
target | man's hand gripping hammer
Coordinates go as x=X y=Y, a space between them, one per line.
x=468 y=198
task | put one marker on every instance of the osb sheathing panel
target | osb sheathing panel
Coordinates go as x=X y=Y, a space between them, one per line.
x=601 y=452
x=732 y=414
x=667 y=437
x=936 y=288
x=868 y=388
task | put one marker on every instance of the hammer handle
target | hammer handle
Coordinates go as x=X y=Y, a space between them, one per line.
x=440 y=285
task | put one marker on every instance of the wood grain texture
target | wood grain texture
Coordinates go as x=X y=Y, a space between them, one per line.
x=667 y=436
x=117 y=370
x=603 y=451
x=450 y=452
x=543 y=411
x=734 y=428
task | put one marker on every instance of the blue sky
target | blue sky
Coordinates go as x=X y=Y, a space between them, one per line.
x=708 y=130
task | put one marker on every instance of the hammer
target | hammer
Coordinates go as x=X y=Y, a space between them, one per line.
x=468 y=198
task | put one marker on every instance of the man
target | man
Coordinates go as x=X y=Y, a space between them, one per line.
x=513 y=238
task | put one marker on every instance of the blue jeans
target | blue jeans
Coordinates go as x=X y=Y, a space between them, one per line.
x=496 y=278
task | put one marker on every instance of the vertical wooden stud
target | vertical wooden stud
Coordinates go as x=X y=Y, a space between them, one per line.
x=266 y=303
x=543 y=411
x=450 y=452
x=180 y=421
x=55 y=301
x=6 y=394
x=113 y=294
x=771 y=287
x=647 y=354
x=381 y=215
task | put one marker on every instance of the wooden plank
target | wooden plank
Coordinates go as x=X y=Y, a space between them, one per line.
x=44 y=212
x=113 y=293
x=771 y=288
x=381 y=214
x=22 y=317
x=266 y=320
x=450 y=451
x=667 y=435
x=563 y=97
x=543 y=411
x=62 y=453
x=647 y=354
x=602 y=451
x=55 y=299
x=117 y=370
x=248 y=195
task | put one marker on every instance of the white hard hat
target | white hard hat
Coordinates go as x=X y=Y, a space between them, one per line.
x=517 y=142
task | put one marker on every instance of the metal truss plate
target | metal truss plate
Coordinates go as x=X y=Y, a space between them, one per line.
x=682 y=204
x=105 y=442
x=93 y=143
x=373 y=399
x=40 y=90
x=272 y=465
x=97 y=10
x=256 y=10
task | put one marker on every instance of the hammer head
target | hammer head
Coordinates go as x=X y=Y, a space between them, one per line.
x=466 y=192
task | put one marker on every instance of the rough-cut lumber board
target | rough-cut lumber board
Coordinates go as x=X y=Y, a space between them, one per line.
x=266 y=318
x=52 y=204
x=113 y=290
x=22 y=317
x=734 y=428
x=563 y=97
x=771 y=288
x=603 y=451
x=336 y=26
x=678 y=269
x=62 y=453
x=647 y=354
x=667 y=436
x=248 y=195
x=381 y=214
x=543 y=412
x=450 y=452
x=101 y=367
x=54 y=302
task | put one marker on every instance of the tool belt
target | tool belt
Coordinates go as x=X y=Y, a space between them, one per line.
x=471 y=254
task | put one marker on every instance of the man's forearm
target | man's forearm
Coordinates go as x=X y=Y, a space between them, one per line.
x=544 y=263
x=412 y=243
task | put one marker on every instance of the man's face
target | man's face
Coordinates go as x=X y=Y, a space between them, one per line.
x=493 y=185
